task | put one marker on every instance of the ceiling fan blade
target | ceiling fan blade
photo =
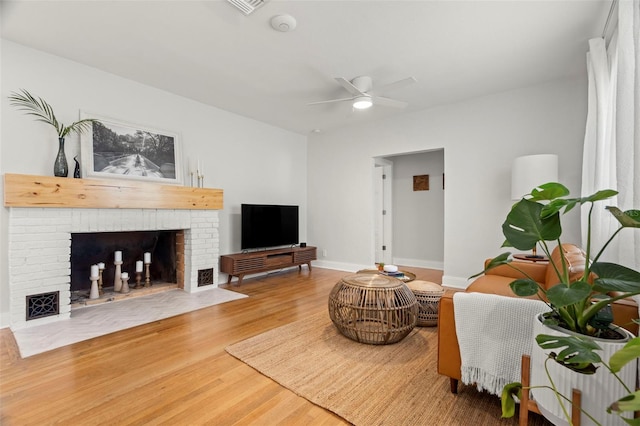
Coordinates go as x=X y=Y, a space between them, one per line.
x=395 y=85
x=379 y=100
x=330 y=101
x=349 y=86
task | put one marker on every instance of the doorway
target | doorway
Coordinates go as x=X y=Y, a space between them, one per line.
x=409 y=217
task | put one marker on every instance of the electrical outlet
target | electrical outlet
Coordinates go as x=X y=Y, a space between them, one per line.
x=324 y=252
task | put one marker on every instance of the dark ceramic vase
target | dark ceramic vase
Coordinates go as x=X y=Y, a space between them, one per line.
x=76 y=171
x=61 y=167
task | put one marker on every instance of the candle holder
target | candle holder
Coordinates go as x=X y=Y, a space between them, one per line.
x=138 y=280
x=125 y=284
x=100 y=290
x=192 y=175
x=117 y=279
x=147 y=280
x=94 y=294
x=200 y=181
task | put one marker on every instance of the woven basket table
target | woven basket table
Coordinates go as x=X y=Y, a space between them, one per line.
x=373 y=309
x=428 y=295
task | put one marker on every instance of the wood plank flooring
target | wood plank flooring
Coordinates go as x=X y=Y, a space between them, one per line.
x=174 y=371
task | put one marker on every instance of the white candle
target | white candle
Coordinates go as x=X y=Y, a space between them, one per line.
x=198 y=167
x=118 y=256
x=101 y=265
x=94 y=271
x=124 y=275
x=147 y=257
x=139 y=265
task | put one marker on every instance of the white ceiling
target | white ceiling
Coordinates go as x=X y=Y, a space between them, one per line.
x=209 y=51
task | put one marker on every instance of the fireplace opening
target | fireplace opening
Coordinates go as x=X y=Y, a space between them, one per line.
x=92 y=248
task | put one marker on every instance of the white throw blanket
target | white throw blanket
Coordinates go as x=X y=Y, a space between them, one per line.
x=493 y=334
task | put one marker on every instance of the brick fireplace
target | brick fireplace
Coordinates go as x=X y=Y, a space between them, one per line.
x=44 y=212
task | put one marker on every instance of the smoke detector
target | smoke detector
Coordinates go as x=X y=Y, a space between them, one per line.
x=247 y=6
x=283 y=23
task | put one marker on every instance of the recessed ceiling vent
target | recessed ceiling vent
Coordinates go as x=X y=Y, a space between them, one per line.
x=247 y=6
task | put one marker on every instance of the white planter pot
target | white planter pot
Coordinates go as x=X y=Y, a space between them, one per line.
x=598 y=390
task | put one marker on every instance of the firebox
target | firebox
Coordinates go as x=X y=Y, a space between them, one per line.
x=92 y=248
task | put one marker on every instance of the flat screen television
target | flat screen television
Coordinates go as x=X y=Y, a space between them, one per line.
x=267 y=225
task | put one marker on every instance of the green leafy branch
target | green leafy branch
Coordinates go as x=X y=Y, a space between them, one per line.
x=43 y=112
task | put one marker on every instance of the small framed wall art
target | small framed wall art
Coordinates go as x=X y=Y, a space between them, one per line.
x=421 y=183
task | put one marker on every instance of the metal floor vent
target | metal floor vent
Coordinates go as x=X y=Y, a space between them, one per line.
x=247 y=6
x=205 y=277
x=43 y=305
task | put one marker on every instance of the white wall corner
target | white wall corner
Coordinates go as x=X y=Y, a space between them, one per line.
x=455 y=282
x=419 y=263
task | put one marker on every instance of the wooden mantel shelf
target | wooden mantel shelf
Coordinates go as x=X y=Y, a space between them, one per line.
x=46 y=191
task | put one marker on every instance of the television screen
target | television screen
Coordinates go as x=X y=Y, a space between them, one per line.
x=268 y=226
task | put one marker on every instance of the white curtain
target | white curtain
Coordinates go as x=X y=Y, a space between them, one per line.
x=611 y=157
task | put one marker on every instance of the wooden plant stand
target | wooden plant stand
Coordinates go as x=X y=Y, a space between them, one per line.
x=527 y=404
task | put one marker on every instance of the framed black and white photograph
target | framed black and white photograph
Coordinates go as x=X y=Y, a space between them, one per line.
x=115 y=149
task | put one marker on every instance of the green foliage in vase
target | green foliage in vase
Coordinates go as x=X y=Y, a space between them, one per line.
x=580 y=305
x=43 y=112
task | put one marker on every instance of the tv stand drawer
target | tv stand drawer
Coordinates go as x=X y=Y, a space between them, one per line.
x=279 y=259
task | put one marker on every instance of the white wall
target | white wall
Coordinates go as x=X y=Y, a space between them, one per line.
x=481 y=137
x=418 y=216
x=251 y=161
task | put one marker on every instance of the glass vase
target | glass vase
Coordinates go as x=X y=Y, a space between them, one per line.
x=61 y=167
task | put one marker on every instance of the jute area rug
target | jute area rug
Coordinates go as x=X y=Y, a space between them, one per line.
x=367 y=384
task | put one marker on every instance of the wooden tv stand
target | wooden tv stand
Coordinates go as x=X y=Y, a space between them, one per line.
x=241 y=264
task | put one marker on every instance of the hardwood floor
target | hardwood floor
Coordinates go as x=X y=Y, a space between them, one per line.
x=174 y=371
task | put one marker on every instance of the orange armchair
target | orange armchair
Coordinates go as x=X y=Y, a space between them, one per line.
x=497 y=282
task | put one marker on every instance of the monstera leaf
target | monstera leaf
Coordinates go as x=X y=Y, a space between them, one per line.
x=524 y=226
x=614 y=277
x=524 y=287
x=577 y=353
x=561 y=295
x=501 y=259
x=628 y=219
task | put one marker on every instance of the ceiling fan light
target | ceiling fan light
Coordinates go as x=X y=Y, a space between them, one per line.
x=362 y=102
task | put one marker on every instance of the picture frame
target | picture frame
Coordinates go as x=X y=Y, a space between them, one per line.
x=421 y=183
x=121 y=150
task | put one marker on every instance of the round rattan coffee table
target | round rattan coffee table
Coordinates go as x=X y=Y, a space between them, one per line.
x=373 y=309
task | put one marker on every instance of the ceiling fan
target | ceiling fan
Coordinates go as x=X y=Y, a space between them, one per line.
x=363 y=95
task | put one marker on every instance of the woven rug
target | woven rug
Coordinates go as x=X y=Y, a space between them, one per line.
x=367 y=384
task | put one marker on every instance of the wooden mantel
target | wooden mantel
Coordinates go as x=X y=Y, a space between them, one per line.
x=46 y=191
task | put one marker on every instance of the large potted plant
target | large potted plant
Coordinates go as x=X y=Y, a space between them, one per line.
x=578 y=306
x=43 y=112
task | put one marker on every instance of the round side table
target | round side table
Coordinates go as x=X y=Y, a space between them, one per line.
x=373 y=309
x=428 y=295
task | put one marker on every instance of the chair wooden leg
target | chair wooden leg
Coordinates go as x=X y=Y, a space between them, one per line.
x=527 y=404
x=576 y=403
x=525 y=372
x=453 y=383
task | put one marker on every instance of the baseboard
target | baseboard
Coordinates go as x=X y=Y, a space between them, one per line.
x=340 y=266
x=455 y=282
x=419 y=263
x=5 y=319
